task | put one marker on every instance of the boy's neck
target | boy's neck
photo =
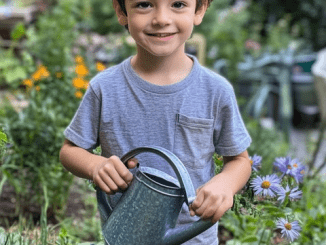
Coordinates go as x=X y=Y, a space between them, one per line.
x=162 y=70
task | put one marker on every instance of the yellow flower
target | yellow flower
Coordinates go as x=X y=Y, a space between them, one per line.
x=79 y=59
x=28 y=83
x=58 y=74
x=41 y=72
x=81 y=70
x=78 y=82
x=78 y=94
x=44 y=71
x=100 y=66
x=37 y=75
x=37 y=88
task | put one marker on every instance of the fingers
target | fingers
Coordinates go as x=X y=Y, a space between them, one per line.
x=209 y=206
x=112 y=175
x=132 y=163
x=197 y=203
x=221 y=211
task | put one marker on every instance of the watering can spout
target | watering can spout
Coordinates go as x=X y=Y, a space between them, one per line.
x=103 y=205
x=185 y=232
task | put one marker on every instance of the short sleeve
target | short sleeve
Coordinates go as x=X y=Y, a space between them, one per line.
x=230 y=134
x=83 y=130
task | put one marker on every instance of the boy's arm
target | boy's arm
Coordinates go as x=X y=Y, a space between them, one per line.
x=110 y=174
x=216 y=196
x=238 y=170
x=79 y=161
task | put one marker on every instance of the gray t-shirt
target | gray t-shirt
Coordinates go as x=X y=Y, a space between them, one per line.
x=193 y=118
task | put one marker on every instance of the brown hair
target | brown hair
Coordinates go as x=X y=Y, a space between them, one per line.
x=198 y=5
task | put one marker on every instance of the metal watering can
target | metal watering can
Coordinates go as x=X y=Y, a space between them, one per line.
x=147 y=212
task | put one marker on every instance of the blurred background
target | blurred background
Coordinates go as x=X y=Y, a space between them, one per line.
x=273 y=53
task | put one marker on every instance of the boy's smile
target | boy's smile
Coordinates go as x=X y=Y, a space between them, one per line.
x=160 y=27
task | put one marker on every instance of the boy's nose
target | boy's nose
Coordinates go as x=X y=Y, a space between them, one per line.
x=162 y=18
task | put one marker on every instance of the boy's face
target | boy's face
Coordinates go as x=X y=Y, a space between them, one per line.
x=146 y=19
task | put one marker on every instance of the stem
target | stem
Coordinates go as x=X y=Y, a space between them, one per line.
x=320 y=138
x=320 y=168
x=2 y=182
x=262 y=235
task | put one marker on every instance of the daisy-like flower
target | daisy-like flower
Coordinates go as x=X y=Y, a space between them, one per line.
x=282 y=164
x=267 y=185
x=255 y=162
x=290 y=167
x=298 y=170
x=293 y=194
x=290 y=230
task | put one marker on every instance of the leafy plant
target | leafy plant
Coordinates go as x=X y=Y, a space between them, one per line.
x=51 y=40
x=266 y=204
x=13 y=69
x=104 y=19
x=3 y=140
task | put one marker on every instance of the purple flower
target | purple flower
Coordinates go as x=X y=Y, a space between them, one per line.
x=255 y=162
x=267 y=185
x=290 y=230
x=298 y=172
x=293 y=194
x=282 y=164
x=290 y=167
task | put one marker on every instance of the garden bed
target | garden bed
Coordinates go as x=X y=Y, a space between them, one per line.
x=74 y=209
x=74 y=206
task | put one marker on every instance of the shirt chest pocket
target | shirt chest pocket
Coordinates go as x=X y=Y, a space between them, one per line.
x=193 y=141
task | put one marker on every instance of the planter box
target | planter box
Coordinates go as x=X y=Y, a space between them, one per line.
x=10 y=16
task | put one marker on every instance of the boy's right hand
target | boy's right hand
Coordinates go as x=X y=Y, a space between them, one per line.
x=112 y=175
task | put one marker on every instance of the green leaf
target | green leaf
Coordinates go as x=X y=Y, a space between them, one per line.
x=15 y=74
x=18 y=32
x=233 y=242
x=251 y=238
x=251 y=227
x=271 y=209
x=269 y=223
x=3 y=137
x=7 y=61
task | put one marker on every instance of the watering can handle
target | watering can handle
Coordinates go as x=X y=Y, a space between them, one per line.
x=176 y=164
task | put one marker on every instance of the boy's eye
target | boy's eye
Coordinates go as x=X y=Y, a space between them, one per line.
x=180 y=4
x=143 y=4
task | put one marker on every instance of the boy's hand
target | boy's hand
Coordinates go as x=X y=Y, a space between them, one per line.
x=212 y=201
x=112 y=175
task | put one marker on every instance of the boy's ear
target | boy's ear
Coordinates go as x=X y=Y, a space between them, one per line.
x=122 y=18
x=199 y=15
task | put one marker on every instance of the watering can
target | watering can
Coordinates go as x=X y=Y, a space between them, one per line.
x=147 y=212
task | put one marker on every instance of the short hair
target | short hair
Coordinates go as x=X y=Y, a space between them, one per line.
x=198 y=5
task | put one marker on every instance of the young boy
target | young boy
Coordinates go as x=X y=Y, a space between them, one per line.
x=162 y=97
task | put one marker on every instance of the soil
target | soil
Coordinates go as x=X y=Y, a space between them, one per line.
x=8 y=207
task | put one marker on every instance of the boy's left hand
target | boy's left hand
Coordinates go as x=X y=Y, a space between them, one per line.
x=212 y=201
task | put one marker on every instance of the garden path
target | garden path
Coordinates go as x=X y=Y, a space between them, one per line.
x=299 y=140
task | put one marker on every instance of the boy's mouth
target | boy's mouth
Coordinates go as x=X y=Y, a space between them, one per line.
x=160 y=34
